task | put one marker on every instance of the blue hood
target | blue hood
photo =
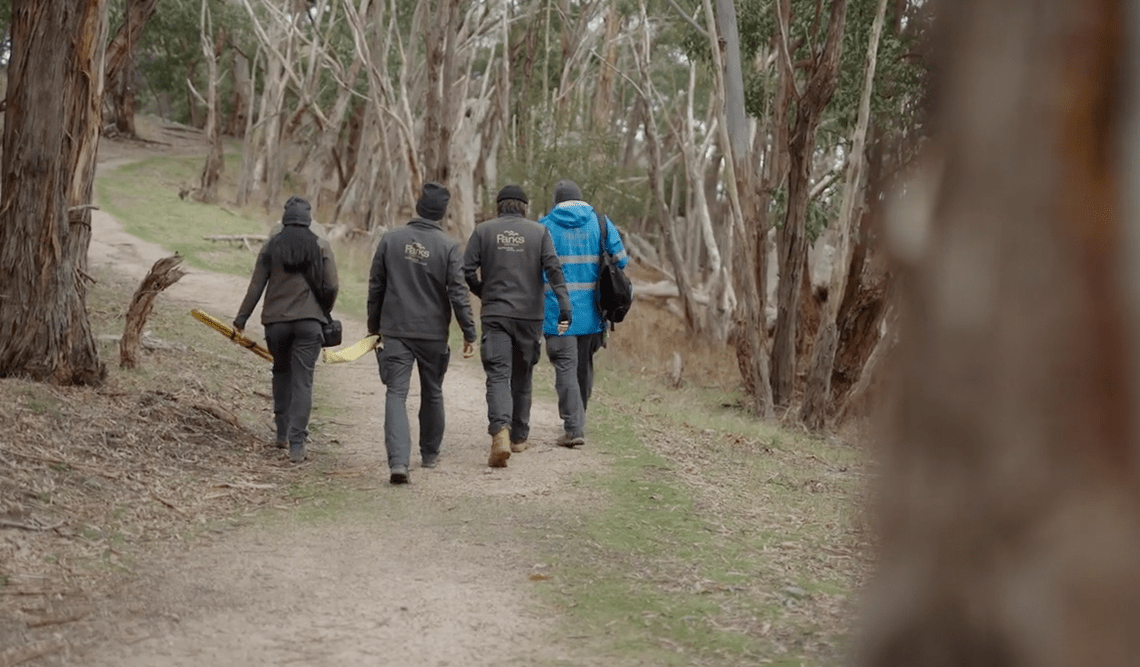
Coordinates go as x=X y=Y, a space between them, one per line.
x=571 y=214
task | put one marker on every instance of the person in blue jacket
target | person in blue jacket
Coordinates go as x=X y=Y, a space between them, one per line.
x=575 y=231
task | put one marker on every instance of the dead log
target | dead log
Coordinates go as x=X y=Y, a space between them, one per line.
x=163 y=274
x=245 y=239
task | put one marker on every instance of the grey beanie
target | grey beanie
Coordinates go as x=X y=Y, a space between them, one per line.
x=297 y=212
x=432 y=204
x=566 y=190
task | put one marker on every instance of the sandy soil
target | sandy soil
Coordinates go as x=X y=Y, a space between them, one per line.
x=444 y=571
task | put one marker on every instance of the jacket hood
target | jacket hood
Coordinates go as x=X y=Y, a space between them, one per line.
x=572 y=213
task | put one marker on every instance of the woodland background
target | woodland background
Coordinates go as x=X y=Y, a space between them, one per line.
x=965 y=167
x=725 y=139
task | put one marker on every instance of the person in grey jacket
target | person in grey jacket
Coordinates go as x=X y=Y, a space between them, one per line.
x=415 y=284
x=504 y=264
x=297 y=272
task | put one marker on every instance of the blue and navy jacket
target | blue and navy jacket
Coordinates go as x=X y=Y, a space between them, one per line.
x=574 y=229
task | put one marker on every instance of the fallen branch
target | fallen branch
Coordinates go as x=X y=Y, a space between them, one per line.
x=244 y=239
x=218 y=413
x=7 y=523
x=665 y=289
x=69 y=617
x=169 y=504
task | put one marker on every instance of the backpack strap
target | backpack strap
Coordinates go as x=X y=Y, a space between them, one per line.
x=604 y=250
x=601 y=227
x=313 y=288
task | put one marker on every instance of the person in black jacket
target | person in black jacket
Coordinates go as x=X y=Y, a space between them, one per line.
x=297 y=273
x=504 y=264
x=415 y=284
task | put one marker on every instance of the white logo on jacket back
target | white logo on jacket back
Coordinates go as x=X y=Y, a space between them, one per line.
x=510 y=241
x=416 y=252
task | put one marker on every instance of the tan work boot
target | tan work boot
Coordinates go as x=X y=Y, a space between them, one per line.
x=520 y=446
x=500 y=448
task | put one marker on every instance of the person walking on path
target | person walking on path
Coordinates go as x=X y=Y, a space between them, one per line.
x=504 y=265
x=415 y=284
x=297 y=272
x=575 y=230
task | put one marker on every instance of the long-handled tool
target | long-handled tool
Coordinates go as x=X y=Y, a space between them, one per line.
x=229 y=332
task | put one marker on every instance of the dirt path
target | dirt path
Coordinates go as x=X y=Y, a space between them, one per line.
x=438 y=572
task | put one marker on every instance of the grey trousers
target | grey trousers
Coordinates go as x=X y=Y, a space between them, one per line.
x=510 y=348
x=563 y=354
x=295 y=346
x=431 y=357
x=587 y=346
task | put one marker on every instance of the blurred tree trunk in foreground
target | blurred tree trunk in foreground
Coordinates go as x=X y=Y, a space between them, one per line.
x=1009 y=503
x=51 y=135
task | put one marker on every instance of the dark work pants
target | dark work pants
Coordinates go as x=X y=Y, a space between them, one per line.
x=395 y=360
x=510 y=348
x=587 y=346
x=295 y=346
x=563 y=354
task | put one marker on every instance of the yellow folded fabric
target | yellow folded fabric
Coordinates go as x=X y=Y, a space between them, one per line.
x=352 y=352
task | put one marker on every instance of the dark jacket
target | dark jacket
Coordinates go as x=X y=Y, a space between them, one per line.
x=288 y=296
x=416 y=282
x=504 y=263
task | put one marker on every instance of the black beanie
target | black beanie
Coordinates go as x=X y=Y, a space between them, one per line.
x=512 y=192
x=566 y=190
x=297 y=212
x=432 y=204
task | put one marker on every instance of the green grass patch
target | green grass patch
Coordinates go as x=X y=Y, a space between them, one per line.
x=144 y=196
x=720 y=540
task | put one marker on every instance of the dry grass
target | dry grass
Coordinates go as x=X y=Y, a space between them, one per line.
x=645 y=343
x=92 y=479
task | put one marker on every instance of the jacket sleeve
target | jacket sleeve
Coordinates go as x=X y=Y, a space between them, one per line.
x=457 y=294
x=472 y=260
x=257 y=284
x=614 y=244
x=377 y=285
x=330 y=280
x=552 y=267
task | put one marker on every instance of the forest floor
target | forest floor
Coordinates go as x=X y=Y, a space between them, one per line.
x=146 y=523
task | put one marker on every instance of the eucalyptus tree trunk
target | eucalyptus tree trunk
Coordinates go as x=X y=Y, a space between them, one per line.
x=792 y=239
x=241 y=104
x=251 y=158
x=212 y=168
x=865 y=299
x=119 y=108
x=817 y=389
x=50 y=139
x=1009 y=483
x=439 y=42
x=323 y=161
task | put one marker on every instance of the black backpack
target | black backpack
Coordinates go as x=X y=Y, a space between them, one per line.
x=615 y=292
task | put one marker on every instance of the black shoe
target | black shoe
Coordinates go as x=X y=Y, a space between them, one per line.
x=399 y=475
